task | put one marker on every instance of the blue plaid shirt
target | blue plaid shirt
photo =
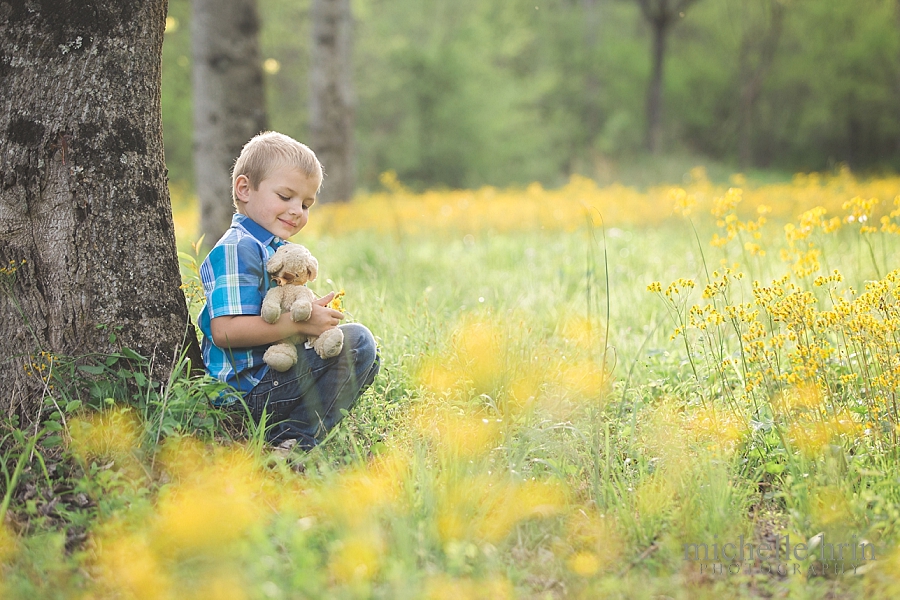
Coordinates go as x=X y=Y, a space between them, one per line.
x=235 y=280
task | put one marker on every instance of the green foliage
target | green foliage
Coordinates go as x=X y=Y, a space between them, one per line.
x=498 y=92
x=177 y=94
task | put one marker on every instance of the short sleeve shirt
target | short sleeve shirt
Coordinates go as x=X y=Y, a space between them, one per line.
x=235 y=281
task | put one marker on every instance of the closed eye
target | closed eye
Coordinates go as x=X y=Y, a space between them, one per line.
x=283 y=197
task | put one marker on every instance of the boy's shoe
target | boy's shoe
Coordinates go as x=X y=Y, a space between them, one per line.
x=284 y=449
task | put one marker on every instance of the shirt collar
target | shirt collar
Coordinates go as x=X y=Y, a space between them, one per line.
x=255 y=229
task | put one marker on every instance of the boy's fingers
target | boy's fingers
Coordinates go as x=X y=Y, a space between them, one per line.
x=324 y=300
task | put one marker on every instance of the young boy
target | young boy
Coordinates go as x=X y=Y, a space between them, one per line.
x=274 y=184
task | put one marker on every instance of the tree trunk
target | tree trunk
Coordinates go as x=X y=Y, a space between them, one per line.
x=749 y=90
x=661 y=15
x=85 y=218
x=897 y=80
x=758 y=49
x=592 y=86
x=229 y=101
x=331 y=109
x=654 y=88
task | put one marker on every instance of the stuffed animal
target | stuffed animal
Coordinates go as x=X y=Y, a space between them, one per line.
x=291 y=267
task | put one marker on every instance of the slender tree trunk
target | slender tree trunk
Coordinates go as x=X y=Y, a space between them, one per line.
x=897 y=86
x=592 y=86
x=331 y=110
x=661 y=15
x=86 y=234
x=655 y=87
x=229 y=101
x=758 y=49
x=747 y=101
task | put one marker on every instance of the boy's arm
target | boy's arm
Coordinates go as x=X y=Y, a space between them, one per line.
x=245 y=331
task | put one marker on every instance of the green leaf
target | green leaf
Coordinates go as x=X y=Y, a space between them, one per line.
x=73 y=405
x=92 y=369
x=52 y=441
x=53 y=426
x=129 y=353
x=774 y=468
x=140 y=379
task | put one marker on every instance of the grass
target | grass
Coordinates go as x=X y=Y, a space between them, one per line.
x=544 y=425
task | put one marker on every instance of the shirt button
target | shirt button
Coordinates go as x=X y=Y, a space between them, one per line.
x=274 y=383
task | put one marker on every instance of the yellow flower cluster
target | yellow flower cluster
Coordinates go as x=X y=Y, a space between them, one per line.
x=11 y=268
x=41 y=365
x=8 y=273
x=887 y=224
x=860 y=211
x=400 y=212
x=785 y=342
x=337 y=303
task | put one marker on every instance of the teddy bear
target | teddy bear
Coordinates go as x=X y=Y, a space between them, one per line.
x=291 y=267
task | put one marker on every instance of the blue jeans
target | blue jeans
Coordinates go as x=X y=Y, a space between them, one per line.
x=305 y=402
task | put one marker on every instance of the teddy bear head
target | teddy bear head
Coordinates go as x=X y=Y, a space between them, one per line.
x=292 y=264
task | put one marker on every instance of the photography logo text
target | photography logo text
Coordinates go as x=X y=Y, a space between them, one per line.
x=817 y=556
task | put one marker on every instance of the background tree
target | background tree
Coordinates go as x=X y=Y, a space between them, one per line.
x=331 y=103
x=761 y=27
x=86 y=235
x=460 y=93
x=661 y=15
x=229 y=101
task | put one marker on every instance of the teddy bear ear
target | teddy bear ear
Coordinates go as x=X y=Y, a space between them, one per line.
x=275 y=263
x=312 y=267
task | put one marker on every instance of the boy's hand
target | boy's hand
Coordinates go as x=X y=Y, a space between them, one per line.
x=323 y=318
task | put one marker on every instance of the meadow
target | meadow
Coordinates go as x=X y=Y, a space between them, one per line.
x=687 y=391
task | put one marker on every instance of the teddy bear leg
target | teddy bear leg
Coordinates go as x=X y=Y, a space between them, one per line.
x=301 y=310
x=329 y=343
x=281 y=357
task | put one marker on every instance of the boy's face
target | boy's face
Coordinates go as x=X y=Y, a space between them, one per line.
x=281 y=203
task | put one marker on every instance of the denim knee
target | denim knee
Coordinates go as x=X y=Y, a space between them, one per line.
x=358 y=337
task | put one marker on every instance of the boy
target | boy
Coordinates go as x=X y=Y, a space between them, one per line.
x=274 y=184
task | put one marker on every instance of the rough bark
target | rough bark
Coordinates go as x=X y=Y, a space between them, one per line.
x=229 y=101
x=331 y=109
x=85 y=217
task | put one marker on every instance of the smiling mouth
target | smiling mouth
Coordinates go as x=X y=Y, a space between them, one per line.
x=288 y=223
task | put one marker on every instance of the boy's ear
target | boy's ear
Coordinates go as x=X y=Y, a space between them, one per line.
x=242 y=187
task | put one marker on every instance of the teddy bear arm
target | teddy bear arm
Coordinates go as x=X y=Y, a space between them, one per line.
x=299 y=303
x=301 y=310
x=271 y=306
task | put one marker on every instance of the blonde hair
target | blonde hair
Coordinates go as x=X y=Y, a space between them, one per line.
x=269 y=151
